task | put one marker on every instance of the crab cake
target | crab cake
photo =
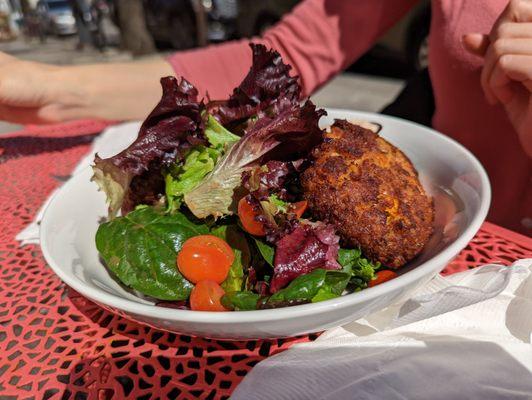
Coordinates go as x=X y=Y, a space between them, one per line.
x=370 y=191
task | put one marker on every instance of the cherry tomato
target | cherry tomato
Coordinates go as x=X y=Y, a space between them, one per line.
x=299 y=208
x=205 y=257
x=206 y=296
x=247 y=216
x=381 y=277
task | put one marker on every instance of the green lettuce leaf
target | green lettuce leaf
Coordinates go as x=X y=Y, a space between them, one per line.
x=335 y=282
x=348 y=257
x=315 y=286
x=237 y=240
x=217 y=135
x=273 y=205
x=280 y=205
x=266 y=251
x=240 y=301
x=141 y=248
x=361 y=269
x=290 y=135
x=183 y=178
x=334 y=285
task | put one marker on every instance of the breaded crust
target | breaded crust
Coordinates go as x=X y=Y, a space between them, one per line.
x=370 y=191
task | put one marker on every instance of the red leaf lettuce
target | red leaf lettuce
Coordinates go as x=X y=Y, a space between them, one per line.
x=307 y=247
x=267 y=89
x=134 y=176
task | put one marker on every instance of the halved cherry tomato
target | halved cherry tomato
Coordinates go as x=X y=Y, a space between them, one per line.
x=205 y=257
x=247 y=216
x=382 y=276
x=299 y=208
x=206 y=296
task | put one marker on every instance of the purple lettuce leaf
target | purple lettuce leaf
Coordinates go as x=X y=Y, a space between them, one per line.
x=289 y=135
x=307 y=247
x=267 y=88
x=271 y=178
x=133 y=176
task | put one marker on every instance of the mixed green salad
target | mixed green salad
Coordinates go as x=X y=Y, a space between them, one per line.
x=205 y=209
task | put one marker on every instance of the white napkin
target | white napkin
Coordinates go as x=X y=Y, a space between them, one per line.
x=112 y=141
x=467 y=336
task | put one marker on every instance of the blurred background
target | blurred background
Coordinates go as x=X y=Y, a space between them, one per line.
x=88 y=31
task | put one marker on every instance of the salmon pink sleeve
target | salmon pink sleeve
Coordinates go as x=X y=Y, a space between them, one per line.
x=318 y=38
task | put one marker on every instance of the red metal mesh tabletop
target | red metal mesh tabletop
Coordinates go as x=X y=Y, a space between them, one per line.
x=55 y=344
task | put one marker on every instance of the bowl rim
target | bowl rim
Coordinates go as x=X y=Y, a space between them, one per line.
x=242 y=317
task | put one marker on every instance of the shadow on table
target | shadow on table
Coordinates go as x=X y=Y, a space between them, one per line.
x=22 y=146
x=133 y=360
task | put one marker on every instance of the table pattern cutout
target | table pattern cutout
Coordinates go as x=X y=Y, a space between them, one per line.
x=55 y=344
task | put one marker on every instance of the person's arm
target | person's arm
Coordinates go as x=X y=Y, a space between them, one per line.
x=319 y=38
x=39 y=93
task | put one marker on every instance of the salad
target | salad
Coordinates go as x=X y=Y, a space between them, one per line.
x=205 y=207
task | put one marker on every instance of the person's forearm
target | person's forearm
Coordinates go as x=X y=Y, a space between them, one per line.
x=32 y=92
x=116 y=91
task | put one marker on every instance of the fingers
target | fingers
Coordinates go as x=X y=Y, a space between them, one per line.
x=513 y=62
x=518 y=68
x=500 y=48
x=510 y=70
x=489 y=64
x=511 y=34
x=500 y=85
x=49 y=113
x=518 y=11
x=60 y=112
x=503 y=46
x=511 y=30
x=476 y=43
x=507 y=72
x=514 y=23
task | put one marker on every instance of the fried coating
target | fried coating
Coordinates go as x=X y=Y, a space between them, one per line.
x=370 y=191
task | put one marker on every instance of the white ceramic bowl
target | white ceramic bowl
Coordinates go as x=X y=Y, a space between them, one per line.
x=456 y=179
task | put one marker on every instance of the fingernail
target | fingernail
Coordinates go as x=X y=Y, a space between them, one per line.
x=475 y=35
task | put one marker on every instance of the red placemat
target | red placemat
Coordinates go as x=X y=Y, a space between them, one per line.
x=55 y=344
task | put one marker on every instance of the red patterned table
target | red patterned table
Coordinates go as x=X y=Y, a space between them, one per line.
x=54 y=344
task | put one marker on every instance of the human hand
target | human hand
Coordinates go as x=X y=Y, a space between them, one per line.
x=33 y=92
x=30 y=92
x=506 y=76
